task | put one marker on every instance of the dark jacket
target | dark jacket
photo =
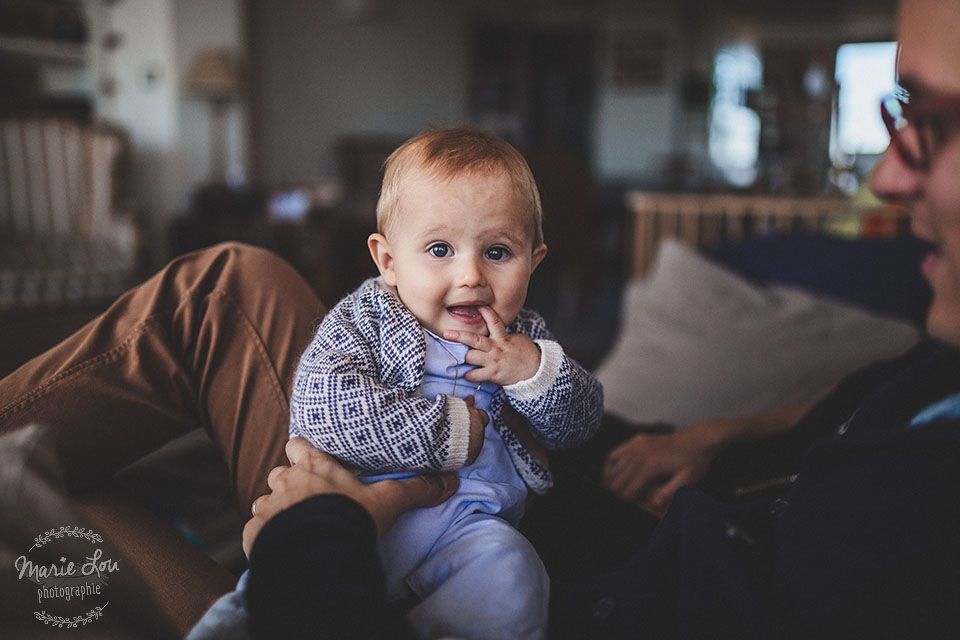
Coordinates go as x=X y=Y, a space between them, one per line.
x=863 y=543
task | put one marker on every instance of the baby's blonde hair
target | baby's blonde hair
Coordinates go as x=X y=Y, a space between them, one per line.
x=448 y=153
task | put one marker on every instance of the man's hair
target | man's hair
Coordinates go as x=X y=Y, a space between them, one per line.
x=448 y=153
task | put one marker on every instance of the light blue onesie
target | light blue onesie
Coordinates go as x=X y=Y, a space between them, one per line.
x=477 y=576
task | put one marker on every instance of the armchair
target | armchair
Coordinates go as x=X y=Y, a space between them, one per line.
x=63 y=238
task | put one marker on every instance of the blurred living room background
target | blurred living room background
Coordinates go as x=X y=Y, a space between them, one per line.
x=134 y=130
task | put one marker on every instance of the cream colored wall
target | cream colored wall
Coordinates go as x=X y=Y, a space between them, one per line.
x=167 y=129
x=143 y=100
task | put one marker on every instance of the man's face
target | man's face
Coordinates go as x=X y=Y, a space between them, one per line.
x=929 y=66
x=456 y=245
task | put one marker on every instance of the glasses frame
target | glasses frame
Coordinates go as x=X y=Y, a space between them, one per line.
x=930 y=118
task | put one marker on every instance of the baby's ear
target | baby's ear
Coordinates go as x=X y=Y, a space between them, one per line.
x=382 y=255
x=538 y=255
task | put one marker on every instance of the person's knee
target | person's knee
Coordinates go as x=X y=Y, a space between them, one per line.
x=224 y=261
x=514 y=557
x=256 y=276
x=517 y=584
x=488 y=581
x=246 y=257
x=519 y=556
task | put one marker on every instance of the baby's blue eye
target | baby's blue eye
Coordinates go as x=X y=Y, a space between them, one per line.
x=497 y=253
x=439 y=250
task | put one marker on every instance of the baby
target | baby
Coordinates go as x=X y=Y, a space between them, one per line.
x=403 y=373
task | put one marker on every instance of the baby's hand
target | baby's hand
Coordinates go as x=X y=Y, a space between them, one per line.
x=503 y=358
x=478 y=420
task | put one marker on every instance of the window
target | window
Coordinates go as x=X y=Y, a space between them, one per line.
x=735 y=128
x=864 y=74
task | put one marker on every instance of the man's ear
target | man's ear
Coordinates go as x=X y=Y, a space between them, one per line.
x=382 y=255
x=538 y=255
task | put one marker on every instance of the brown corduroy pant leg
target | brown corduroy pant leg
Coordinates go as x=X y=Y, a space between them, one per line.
x=212 y=340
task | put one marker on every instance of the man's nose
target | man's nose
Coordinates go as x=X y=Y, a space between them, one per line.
x=470 y=273
x=893 y=180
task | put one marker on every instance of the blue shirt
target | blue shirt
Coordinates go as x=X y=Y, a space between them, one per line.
x=491 y=484
x=444 y=371
x=946 y=409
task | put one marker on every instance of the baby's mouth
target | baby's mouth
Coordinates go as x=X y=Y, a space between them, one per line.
x=469 y=313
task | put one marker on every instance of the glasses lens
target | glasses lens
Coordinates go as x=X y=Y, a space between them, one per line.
x=903 y=134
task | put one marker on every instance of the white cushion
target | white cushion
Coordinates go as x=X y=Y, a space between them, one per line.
x=699 y=342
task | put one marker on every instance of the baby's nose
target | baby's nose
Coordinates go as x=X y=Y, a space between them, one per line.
x=471 y=274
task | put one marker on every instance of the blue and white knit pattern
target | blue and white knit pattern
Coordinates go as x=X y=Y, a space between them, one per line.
x=356 y=394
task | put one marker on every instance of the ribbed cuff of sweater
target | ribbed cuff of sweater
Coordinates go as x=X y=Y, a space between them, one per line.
x=551 y=359
x=458 y=418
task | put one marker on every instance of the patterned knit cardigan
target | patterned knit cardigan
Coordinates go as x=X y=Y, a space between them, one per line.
x=356 y=394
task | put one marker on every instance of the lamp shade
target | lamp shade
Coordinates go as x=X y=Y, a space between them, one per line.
x=214 y=74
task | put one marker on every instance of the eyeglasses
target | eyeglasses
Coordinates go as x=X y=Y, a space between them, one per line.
x=918 y=128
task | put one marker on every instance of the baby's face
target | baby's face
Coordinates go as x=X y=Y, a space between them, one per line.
x=458 y=244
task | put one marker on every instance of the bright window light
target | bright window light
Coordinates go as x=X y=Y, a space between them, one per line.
x=864 y=74
x=734 y=128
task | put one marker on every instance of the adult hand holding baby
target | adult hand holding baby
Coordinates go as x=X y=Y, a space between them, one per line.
x=312 y=472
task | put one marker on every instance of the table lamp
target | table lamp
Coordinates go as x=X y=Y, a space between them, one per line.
x=215 y=77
